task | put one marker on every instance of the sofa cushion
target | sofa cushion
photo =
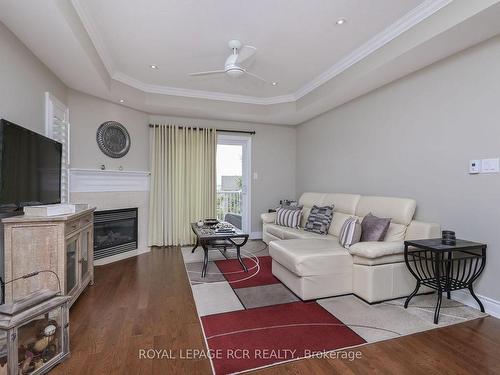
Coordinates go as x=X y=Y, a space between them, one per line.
x=395 y=232
x=268 y=217
x=386 y=259
x=374 y=228
x=310 y=199
x=345 y=203
x=319 y=219
x=292 y=233
x=401 y=210
x=375 y=249
x=311 y=257
x=337 y=221
x=288 y=217
x=276 y=230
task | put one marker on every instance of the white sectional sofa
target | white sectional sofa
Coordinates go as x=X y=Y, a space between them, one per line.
x=316 y=266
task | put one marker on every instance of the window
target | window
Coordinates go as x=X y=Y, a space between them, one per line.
x=57 y=127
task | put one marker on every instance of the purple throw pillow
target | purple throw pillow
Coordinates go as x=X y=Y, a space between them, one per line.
x=374 y=228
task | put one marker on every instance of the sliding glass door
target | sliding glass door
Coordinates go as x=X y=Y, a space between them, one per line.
x=233 y=180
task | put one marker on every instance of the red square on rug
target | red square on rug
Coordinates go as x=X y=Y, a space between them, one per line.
x=247 y=339
x=258 y=274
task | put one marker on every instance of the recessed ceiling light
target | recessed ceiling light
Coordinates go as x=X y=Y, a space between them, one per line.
x=122 y=101
x=274 y=83
x=153 y=66
x=341 y=21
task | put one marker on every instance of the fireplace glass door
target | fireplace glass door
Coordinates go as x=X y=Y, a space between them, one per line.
x=115 y=232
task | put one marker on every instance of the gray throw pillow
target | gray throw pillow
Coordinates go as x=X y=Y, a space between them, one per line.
x=319 y=219
x=374 y=228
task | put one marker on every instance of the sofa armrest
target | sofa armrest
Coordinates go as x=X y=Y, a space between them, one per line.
x=268 y=217
x=418 y=230
x=376 y=249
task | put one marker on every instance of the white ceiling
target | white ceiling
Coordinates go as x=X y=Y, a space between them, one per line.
x=297 y=40
x=104 y=48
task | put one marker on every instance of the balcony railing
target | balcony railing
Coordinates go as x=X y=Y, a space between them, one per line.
x=228 y=202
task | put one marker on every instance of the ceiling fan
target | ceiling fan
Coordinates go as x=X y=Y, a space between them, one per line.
x=236 y=64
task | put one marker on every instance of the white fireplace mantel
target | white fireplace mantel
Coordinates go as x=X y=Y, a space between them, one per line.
x=96 y=180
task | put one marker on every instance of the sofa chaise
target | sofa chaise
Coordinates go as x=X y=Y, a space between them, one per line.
x=315 y=266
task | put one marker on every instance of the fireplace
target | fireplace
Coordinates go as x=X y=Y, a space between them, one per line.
x=115 y=232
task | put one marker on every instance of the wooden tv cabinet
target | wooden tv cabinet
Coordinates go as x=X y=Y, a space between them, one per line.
x=63 y=244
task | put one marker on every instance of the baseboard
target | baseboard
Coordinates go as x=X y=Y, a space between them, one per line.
x=256 y=236
x=491 y=306
x=117 y=257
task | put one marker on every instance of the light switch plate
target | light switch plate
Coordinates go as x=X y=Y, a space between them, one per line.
x=474 y=166
x=490 y=166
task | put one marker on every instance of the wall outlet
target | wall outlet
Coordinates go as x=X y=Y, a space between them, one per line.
x=490 y=166
x=474 y=166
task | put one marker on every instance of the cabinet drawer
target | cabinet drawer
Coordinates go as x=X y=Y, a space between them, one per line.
x=72 y=226
x=86 y=220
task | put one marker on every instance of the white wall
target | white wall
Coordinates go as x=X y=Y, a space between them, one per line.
x=273 y=159
x=23 y=82
x=414 y=138
x=87 y=113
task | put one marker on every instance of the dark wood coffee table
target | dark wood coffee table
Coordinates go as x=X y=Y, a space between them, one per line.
x=445 y=268
x=207 y=238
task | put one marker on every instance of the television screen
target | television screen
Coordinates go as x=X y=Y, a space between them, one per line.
x=30 y=168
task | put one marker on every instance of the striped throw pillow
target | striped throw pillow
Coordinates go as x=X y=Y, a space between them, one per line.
x=350 y=232
x=287 y=217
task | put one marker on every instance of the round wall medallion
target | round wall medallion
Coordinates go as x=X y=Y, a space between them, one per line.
x=113 y=139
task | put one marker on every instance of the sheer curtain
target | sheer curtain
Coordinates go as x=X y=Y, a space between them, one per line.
x=183 y=182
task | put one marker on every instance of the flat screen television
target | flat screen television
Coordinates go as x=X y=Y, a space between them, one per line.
x=30 y=168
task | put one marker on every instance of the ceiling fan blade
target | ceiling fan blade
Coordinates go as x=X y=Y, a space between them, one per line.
x=256 y=76
x=245 y=53
x=206 y=73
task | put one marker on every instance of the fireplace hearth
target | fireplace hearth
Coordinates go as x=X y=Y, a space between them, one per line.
x=115 y=232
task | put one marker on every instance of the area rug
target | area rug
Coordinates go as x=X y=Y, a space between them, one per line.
x=251 y=320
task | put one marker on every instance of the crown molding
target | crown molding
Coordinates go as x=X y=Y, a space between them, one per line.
x=95 y=37
x=409 y=20
x=199 y=94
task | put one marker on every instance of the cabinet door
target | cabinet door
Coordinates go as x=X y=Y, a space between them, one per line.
x=85 y=249
x=71 y=263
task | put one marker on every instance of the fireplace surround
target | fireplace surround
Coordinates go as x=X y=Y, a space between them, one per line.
x=115 y=232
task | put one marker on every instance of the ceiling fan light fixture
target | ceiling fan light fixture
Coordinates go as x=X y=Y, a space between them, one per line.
x=341 y=21
x=274 y=83
x=235 y=72
x=153 y=66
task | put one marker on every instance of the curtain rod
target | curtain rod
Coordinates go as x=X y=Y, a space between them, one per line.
x=219 y=130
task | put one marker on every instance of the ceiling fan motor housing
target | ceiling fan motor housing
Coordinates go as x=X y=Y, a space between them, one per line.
x=231 y=68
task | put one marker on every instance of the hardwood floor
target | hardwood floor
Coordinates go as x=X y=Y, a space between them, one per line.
x=146 y=303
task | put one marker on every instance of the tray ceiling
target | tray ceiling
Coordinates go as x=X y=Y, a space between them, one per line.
x=297 y=40
x=105 y=48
